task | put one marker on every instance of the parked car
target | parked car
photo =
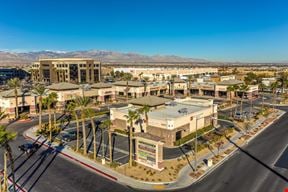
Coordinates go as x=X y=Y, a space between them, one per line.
x=28 y=147
x=239 y=116
x=71 y=136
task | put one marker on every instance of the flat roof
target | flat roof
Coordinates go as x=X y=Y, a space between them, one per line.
x=171 y=112
x=230 y=82
x=66 y=59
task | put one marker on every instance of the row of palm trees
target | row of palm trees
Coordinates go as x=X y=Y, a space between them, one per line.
x=49 y=101
x=81 y=108
x=236 y=89
x=132 y=118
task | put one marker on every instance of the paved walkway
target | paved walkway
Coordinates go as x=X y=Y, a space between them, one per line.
x=184 y=179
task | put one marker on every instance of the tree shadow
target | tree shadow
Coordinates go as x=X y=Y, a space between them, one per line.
x=29 y=155
x=187 y=158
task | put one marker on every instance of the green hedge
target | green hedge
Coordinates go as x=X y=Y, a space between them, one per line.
x=192 y=135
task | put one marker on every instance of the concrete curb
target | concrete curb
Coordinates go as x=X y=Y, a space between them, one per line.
x=74 y=159
x=18 y=188
x=149 y=185
x=233 y=152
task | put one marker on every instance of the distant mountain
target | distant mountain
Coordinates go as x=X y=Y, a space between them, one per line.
x=25 y=58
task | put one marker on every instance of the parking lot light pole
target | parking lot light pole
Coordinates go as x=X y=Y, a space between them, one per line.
x=195 y=148
x=196 y=136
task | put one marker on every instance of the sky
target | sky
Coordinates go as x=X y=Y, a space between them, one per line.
x=219 y=30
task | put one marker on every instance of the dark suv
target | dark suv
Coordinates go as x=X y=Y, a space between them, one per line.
x=28 y=147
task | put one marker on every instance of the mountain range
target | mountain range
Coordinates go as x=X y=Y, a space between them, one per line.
x=8 y=58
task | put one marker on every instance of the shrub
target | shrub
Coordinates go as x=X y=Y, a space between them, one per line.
x=192 y=135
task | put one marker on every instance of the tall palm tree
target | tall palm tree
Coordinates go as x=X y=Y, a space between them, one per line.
x=236 y=88
x=48 y=102
x=283 y=81
x=82 y=104
x=90 y=113
x=146 y=79
x=262 y=87
x=131 y=118
x=5 y=138
x=274 y=87
x=140 y=75
x=40 y=91
x=190 y=77
x=107 y=124
x=145 y=110
x=231 y=89
x=172 y=85
x=72 y=109
x=243 y=88
x=127 y=77
x=15 y=84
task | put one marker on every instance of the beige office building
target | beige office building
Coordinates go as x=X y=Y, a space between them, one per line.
x=72 y=70
x=170 y=120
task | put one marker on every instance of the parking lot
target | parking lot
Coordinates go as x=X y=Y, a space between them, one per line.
x=120 y=144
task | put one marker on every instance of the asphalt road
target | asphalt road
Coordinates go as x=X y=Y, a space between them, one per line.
x=248 y=170
x=47 y=171
x=249 y=173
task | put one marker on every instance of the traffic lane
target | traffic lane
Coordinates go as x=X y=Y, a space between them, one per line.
x=20 y=127
x=48 y=171
x=242 y=173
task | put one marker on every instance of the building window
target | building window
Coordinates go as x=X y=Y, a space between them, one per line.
x=83 y=76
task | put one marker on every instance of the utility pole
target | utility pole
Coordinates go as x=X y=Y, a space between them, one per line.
x=195 y=148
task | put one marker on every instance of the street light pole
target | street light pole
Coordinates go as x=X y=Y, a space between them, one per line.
x=195 y=148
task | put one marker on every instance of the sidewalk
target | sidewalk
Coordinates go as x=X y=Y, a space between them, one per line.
x=183 y=180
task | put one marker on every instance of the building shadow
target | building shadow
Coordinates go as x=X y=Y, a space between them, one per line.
x=258 y=161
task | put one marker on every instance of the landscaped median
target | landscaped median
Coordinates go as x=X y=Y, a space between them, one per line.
x=177 y=173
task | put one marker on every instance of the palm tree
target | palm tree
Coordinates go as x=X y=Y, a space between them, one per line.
x=127 y=77
x=107 y=124
x=243 y=89
x=145 y=110
x=172 y=82
x=190 y=77
x=274 y=87
x=5 y=138
x=48 y=102
x=72 y=109
x=90 y=113
x=131 y=117
x=283 y=81
x=40 y=91
x=15 y=84
x=231 y=89
x=140 y=75
x=236 y=88
x=262 y=87
x=146 y=79
x=82 y=104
